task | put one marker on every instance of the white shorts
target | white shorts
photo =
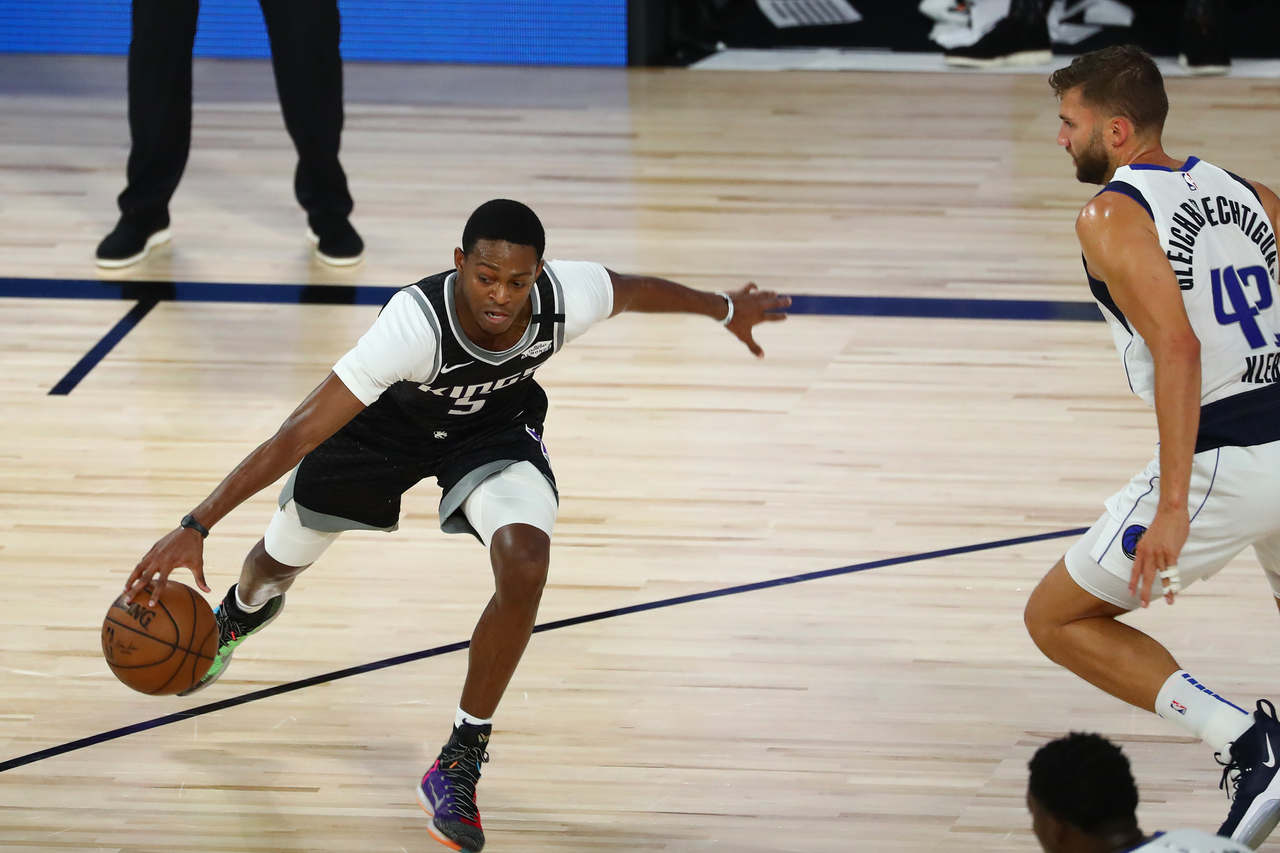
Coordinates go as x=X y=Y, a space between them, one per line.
x=518 y=494
x=1234 y=502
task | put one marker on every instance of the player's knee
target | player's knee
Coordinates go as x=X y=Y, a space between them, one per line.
x=1043 y=623
x=268 y=568
x=521 y=556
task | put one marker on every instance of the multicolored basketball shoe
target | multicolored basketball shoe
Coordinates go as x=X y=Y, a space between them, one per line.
x=448 y=790
x=234 y=627
x=1252 y=773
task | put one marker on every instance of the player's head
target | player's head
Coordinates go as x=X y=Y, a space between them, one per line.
x=1080 y=792
x=507 y=221
x=1110 y=101
x=498 y=263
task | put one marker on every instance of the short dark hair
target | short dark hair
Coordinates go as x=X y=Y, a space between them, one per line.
x=1084 y=779
x=1123 y=80
x=504 y=219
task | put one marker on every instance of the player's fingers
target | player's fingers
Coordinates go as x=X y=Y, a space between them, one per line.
x=750 y=341
x=773 y=317
x=197 y=571
x=158 y=583
x=750 y=288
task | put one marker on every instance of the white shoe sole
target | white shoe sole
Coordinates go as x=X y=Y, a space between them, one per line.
x=157 y=239
x=329 y=259
x=1022 y=57
x=1261 y=818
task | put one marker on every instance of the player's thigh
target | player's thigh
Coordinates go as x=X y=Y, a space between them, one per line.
x=1222 y=508
x=518 y=494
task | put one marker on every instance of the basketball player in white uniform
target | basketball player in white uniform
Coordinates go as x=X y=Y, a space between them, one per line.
x=442 y=385
x=1082 y=799
x=1181 y=256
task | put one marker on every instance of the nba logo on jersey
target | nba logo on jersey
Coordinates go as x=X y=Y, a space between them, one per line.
x=1190 y=183
x=1177 y=706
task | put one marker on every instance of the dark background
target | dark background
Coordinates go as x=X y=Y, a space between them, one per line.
x=678 y=32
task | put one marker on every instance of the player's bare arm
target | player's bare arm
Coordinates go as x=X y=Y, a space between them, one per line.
x=1121 y=247
x=749 y=305
x=320 y=415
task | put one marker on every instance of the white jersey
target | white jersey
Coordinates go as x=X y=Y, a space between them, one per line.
x=1222 y=249
x=1189 y=841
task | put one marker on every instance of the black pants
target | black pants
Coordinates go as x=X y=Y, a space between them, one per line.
x=308 y=70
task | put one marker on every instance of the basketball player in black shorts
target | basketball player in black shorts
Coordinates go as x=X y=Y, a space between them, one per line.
x=441 y=385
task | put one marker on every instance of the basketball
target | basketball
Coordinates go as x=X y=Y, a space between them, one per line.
x=163 y=649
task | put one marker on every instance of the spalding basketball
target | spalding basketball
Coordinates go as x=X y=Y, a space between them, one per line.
x=163 y=649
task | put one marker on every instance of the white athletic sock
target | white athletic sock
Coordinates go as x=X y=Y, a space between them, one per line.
x=248 y=608
x=1202 y=712
x=470 y=719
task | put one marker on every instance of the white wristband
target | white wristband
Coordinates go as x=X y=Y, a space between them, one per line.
x=729 y=300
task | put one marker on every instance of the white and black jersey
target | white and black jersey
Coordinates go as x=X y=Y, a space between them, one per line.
x=1221 y=248
x=440 y=405
x=416 y=365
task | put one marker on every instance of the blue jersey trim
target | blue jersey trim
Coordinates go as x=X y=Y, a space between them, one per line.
x=1241 y=420
x=1128 y=190
x=1246 y=185
x=1152 y=167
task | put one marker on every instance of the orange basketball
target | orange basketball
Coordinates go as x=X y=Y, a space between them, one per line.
x=162 y=649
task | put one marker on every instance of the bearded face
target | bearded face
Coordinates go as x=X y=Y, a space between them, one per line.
x=1091 y=162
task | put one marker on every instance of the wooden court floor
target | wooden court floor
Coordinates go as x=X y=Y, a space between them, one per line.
x=889 y=707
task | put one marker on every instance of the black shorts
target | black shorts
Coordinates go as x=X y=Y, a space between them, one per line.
x=354 y=480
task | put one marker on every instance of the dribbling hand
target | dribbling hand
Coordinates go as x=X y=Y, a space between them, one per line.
x=752 y=306
x=180 y=547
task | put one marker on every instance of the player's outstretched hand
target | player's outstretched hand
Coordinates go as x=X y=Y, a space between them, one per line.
x=752 y=306
x=1157 y=555
x=181 y=546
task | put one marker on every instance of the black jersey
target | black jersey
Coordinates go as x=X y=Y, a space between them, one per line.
x=472 y=389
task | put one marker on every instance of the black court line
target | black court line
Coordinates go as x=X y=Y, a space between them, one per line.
x=148 y=293
x=345 y=294
x=102 y=347
x=268 y=692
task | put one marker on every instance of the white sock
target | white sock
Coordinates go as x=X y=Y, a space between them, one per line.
x=247 y=608
x=1202 y=712
x=470 y=719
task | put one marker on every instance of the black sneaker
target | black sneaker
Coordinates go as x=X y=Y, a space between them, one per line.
x=1016 y=40
x=336 y=243
x=447 y=791
x=131 y=241
x=1204 y=38
x=1255 y=785
x=234 y=627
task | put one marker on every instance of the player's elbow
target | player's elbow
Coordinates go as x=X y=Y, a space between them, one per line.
x=1177 y=347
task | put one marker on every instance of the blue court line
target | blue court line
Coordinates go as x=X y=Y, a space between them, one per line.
x=102 y=347
x=268 y=692
x=346 y=294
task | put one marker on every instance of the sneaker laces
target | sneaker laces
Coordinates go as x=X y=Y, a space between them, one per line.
x=1235 y=765
x=231 y=628
x=460 y=765
x=1228 y=769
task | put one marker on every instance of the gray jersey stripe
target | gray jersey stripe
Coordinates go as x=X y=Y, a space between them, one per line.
x=434 y=321
x=558 y=289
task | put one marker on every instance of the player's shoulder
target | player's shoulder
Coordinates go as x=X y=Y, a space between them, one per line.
x=576 y=275
x=1102 y=209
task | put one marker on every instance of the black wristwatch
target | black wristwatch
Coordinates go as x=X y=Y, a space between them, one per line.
x=189 y=520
